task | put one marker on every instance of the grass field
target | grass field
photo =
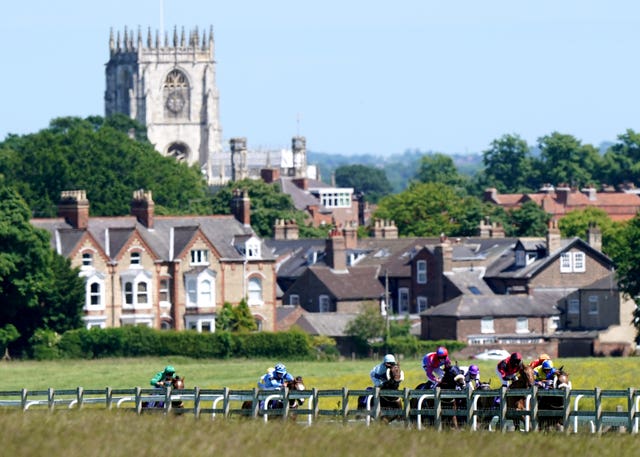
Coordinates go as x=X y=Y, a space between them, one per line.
x=116 y=433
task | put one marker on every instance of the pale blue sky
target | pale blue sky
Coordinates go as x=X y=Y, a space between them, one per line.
x=361 y=76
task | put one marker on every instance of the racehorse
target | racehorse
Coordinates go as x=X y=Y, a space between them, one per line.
x=559 y=384
x=452 y=379
x=392 y=382
x=525 y=380
x=296 y=383
x=176 y=383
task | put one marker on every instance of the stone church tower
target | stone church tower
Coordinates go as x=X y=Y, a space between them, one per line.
x=170 y=88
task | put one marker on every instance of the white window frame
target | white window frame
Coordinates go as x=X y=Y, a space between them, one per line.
x=487 y=325
x=97 y=279
x=195 y=322
x=95 y=322
x=553 y=323
x=164 y=292
x=135 y=259
x=200 y=289
x=137 y=290
x=594 y=305
x=522 y=324
x=199 y=257
x=566 y=262
x=573 y=262
x=324 y=303
x=253 y=249
x=579 y=262
x=87 y=260
x=254 y=291
x=421 y=271
x=403 y=300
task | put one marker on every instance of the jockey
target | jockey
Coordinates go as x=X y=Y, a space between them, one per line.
x=508 y=368
x=163 y=378
x=378 y=373
x=434 y=362
x=275 y=379
x=472 y=378
x=541 y=358
x=545 y=374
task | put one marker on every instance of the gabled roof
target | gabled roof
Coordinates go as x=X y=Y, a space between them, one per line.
x=330 y=324
x=358 y=283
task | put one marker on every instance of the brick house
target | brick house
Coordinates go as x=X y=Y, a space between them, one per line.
x=166 y=272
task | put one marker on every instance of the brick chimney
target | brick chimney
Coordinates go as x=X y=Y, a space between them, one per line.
x=335 y=251
x=350 y=232
x=285 y=230
x=142 y=207
x=377 y=229
x=241 y=206
x=270 y=175
x=390 y=230
x=497 y=230
x=444 y=254
x=484 y=229
x=553 y=236
x=74 y=208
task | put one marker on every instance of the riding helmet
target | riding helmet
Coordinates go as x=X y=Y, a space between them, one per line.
x=474 y=370
x=515 y=358
x=547 y=365
x=280 y=368
x=442 y=352
x=169 y=369
x=389 y=358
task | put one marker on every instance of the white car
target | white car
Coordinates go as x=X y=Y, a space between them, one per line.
x=493 y=354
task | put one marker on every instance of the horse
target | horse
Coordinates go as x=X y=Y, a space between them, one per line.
x=452 y=379
x=176 y=383
x=525 y=380
x=297 y=383
x=559 y=384
x=394 y=377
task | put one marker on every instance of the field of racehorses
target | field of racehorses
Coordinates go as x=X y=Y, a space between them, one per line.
x=107 y=433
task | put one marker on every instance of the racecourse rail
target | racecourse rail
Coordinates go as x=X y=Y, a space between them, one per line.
x=582 y=411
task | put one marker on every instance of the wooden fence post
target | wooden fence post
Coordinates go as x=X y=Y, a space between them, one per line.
x=438 y=410
x=108 y=394
x=196 y=402
x=345 y=404
x=316 y=406
x=534 y=409
x=80 y=396
x=503 y=408
x=51 y=398
x=138 y=397
x=598 y=402
x=407 y=406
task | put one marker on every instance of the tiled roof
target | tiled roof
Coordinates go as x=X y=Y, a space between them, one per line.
x=330 y=324
x=478 y=306
x=358 y=283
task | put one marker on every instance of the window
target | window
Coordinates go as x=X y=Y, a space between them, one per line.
x=200 y=257
x=421 y=267
x=200 y=289
x=94 y=292
x=205 y=293
x=254 y=290
x=253 y=249
x=335 y=198
x=573 y=262
x=324 y=304
x=136 y=258
x=203 y=323
x=403 y=300
x=573 y=306
x=136 y=289
x=95 y=298
x=142 y=296
x=593 y=304
x=486 y=325
x=87 y=260
x=522 y=325
x=192 y=292
x=164 y=295
x=294 y=300
x=128 y=293
x=554 y=323
x=422 y=304
x=520 y=258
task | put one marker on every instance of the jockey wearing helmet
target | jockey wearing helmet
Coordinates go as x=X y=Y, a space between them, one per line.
x=545 y=374
x=508 y=368
x=275 y=379
x=472 y=377
x=541 y=358
x=378 y=373
x=163 y=378
x=434 y=362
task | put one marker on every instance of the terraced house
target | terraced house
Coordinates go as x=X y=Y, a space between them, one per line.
x=166 y=272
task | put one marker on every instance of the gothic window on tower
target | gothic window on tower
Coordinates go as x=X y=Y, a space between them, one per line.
x=176 y=94
x=178 y=151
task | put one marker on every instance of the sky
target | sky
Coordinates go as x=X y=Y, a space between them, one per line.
x=352 y=76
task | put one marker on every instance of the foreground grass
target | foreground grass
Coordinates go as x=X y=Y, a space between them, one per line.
x=586 y=373
x=103 y=433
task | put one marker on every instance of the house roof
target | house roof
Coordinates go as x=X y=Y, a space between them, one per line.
x=358 y=283
x=477 y=306
x=330 y=324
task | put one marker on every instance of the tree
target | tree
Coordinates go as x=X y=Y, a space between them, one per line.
x=37 y=289
x=577 y=223
x=438 y=168
x=96 y=155
x=367 y=327
x=236 y=318
x=507 y=165
x=564 y=160
x=528 y=220
x=429 y=209
x=8 y=334
x=368 y=180
x=622 y=160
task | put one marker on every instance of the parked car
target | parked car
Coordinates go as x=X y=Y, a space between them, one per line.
x=492 y=354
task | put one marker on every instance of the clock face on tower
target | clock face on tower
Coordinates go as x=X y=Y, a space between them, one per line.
x=175 y=102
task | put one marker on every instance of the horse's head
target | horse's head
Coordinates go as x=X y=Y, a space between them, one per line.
x=394 y=377
x=177 y=383
x=561 y=379
x=453 y=378
x=296 y=384
x=526 y=378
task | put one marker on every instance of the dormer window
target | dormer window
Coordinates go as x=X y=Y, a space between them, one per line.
x=253 y=249
x=199 y=257
x=521 y=258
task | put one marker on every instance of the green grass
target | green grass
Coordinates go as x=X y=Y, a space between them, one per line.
x=586 y=373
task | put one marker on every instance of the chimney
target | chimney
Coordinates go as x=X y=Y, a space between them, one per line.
x=301 y=183
x=553 y=237
x=335 y=251
x=562 y=194
x=497 y=230
x=278 y=230
x=377 y=229
x=270 y=175
x=291 y=231
x=241 y=206
x=390 y=230
x=351 y=235
x=74 y=208
x=491 y=195
x=594 y=236
x=591 y=193
x=444 y=254
x=142 y=207
x=484 y=229
x=238 y=158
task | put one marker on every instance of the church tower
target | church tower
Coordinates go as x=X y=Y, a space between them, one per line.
x=170 y=87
